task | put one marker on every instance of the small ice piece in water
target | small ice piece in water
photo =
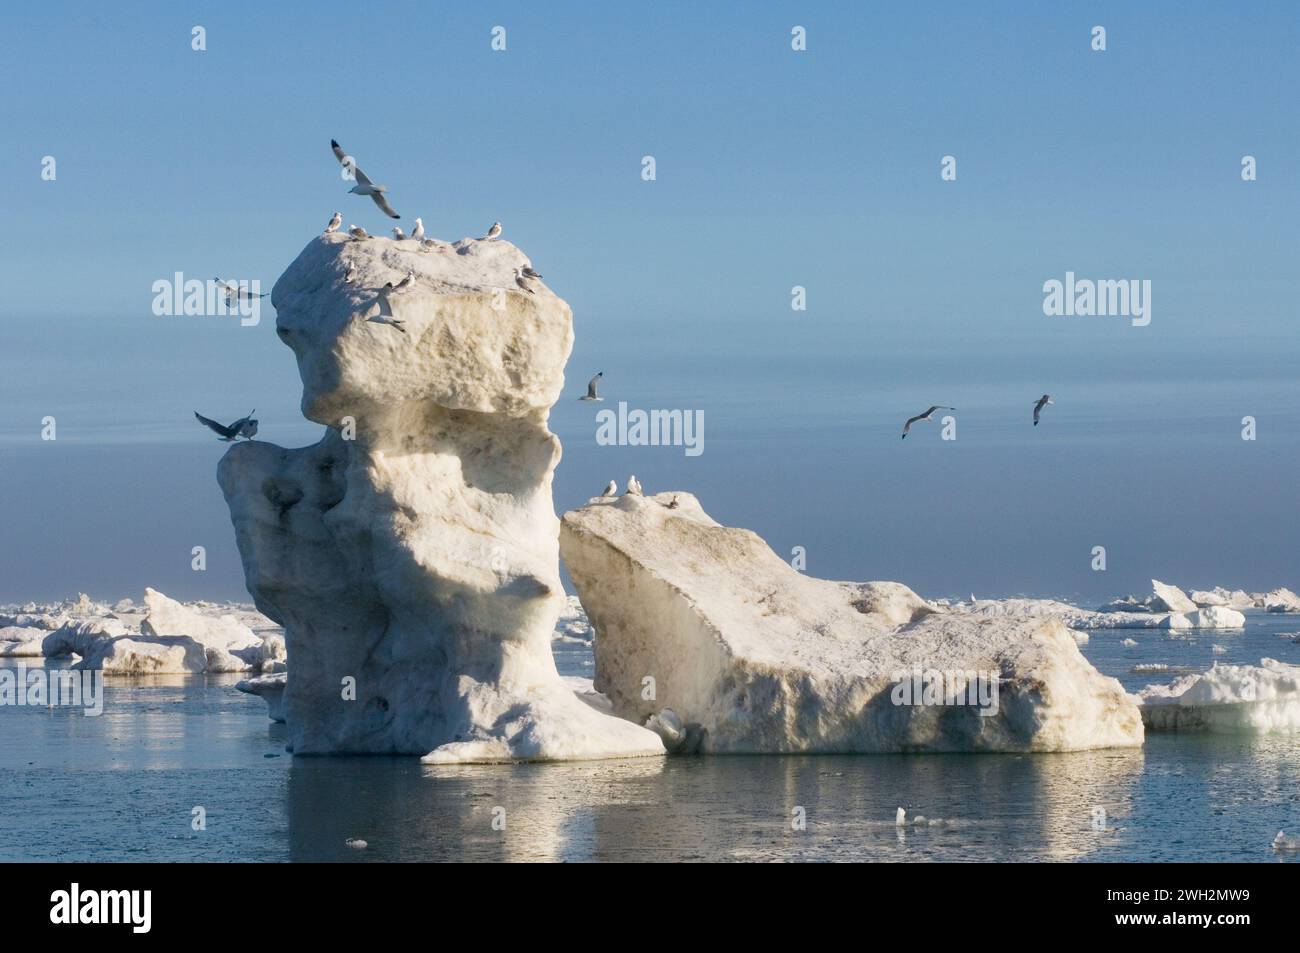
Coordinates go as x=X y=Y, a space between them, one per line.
x=900 y=818
x=1219 y=649
x=356 y=843
x=1282 y=842
x=1129 y=643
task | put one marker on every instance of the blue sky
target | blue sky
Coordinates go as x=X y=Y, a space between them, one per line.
x=775 y=168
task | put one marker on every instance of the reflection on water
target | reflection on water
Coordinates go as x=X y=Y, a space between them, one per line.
x=123 y=786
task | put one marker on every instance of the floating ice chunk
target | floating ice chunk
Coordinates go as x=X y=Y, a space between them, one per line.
x=356 y=843
x=19 y=641
x=1167 y=598
x=1227 y=698
x=1129 y=643
x=1215 y=617
x=1282 y=842
x=1219 y=649
x=271 y=690
x=1280 y=600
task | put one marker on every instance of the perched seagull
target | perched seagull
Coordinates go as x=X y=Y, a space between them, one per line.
x=397 y=233
x=673 y=504
x=364 y=186
x=335 y=222
x=493 y=232
x=428 y=244
x=612 y=489
x=1038 y=407
x=418 y=231
x=358 y=233
x=243 y=427
x=529 y=273
x=633 y=486
x=591 y=388
x=523 y=282
x=927 y=415
x=404 y=283
x=351 y=275
x=232 y=292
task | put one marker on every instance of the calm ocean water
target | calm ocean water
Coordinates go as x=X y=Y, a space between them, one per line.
x=123 y=786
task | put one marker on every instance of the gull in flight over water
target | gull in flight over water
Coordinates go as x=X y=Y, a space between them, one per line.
x=418 y=232
x=364 y=186
x=612 y=489
x=591 y=388
x=633 y=486
x=493 y=232
x=234 y=291
x=243 y=427
x=335 y=222
x=1038 y=407
x=925 y=416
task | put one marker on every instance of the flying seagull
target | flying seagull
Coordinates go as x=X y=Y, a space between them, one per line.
x=612 y=489
x=1038 y=407
x=418 y=232
x=925 y=416
x=243 y=427
x=364 y=186
x=397 y=233
x=493 y=232
x=234 y=291
x=524 y=282
x=385 y=315
x=358 y=233
x=591 y=388
x=335 y=222
x=633 y=486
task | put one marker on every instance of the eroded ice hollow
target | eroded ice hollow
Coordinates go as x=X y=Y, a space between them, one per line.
x=744 y=654
x=418 y=562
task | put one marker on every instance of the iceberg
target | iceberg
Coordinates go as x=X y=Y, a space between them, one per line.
x=1227 y=698
x=411 y=555
x=705 y=633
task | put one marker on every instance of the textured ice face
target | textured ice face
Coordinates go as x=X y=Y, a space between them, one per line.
x=470 y=339
x=412 y=554
x=751 y=656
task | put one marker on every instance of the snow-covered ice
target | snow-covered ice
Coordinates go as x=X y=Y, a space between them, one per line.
x=760 y=658
x=1227 y=698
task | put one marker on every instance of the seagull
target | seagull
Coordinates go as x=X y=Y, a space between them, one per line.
x=234 y=291
x=352 y=273
x=673 y=504
x=385 y=315
x=493 y=232
x=418 y=232
x=633 y=486
x=612 y=489
x=358 y=233
x=529 y=273
x=243 y=427
x=335 y=222
x=591 y=388
x=925 y=416
x=397 y=233
x=1038 y=407
x=364 y=186
x=522 y=281
x=428 y=244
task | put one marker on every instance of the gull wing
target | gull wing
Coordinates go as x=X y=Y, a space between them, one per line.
x=221 y=429
x=380 y=200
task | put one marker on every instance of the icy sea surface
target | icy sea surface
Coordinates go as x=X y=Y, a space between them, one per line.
x=125 y=786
